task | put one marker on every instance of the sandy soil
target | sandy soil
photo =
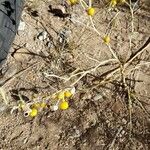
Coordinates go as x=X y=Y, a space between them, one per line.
x=99 y=116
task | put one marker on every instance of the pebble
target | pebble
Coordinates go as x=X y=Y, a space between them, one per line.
x=54 y=108
x=21 y=26
x=42 y=35
x=124 y=121
x=97 y=97
x=64 y=35
x=49 y=44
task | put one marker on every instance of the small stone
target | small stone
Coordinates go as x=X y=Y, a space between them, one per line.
x=21 y=26
x=97 y=97
x=123 y=132
x=124 y=121
x=49 y=44
x=42 y=35
x=54 y=108
x=2 y=108
x=77 y=133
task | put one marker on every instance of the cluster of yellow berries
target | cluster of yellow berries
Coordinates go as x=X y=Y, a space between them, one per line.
x=36 y=107
x=61 y=99
x=113 y=3
x=31 y=110
x=90 y=11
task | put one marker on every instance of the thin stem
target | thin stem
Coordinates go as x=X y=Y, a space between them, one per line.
x=90 y=3
x=93 y=25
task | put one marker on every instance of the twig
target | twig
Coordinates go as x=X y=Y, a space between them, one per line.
x=114 y=140
x=113 y=53
x=90 y=3
x=130 y=111
x=141 y=50
x=132 y=22
x=3 y=94
x=82 y=73
x=16 y=75
x=117 y=70
x=93 y=25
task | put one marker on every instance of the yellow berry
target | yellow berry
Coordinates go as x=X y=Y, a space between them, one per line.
x=33 y=112
x=73 y=2
x=106 y=39
x=60 y=95
x=43 y=105
x=64 y=105
x=68 y=94
x=113 y=3
x=91 y=11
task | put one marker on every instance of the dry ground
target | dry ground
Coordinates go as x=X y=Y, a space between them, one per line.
x=99 y=116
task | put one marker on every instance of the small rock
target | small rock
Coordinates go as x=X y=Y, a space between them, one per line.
x=77 y=133
x=2 y=107
x=64 y=35
x=124 y=121
x=21 y=26
x=97 y=97
x=49 y=44
x=54 y=108
x=42 y=35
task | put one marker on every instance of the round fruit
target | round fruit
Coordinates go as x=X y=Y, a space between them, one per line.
x=68 y=94
x=113 y=3
x=60 y=95
x=43 y=105
x=33 y=112
x=106 y=39
x=73 y=2
x=64 y=105
x=91 y=11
